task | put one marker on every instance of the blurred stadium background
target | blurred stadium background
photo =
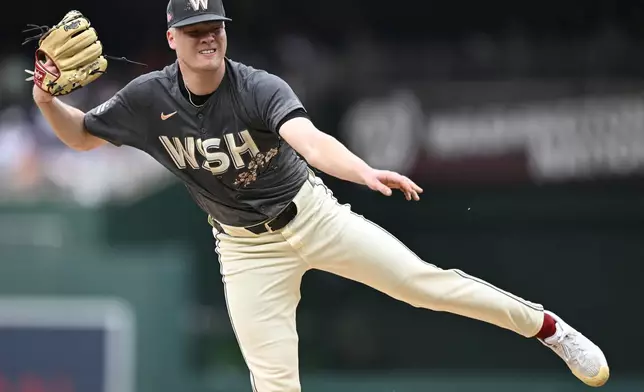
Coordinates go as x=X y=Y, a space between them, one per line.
x=523 y=121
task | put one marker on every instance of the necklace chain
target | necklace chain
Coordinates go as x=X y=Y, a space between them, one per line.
x=190 y=99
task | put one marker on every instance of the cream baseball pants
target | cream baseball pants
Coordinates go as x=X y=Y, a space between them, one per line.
x=262 y=276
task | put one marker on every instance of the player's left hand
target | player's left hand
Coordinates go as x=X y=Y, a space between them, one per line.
x=69 y=55
x=385 y=181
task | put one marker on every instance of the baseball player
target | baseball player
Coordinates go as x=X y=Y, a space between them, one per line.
x=243 y=144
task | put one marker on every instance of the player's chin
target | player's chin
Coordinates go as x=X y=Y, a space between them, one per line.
x=209 y=64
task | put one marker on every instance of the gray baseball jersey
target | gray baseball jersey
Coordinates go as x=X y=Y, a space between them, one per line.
x=227 y=152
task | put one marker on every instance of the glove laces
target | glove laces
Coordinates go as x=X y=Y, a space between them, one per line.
x=43 y=29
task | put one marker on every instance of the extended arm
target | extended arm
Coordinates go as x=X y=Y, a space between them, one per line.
x=327 y=154
x=273 y=100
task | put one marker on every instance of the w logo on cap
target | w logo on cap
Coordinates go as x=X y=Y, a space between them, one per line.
x=198 y=4
x=188 y=12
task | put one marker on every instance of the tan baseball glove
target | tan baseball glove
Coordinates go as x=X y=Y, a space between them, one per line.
x=74 y=49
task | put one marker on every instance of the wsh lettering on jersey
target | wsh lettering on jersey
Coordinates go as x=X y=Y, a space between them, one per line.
x=210 y=155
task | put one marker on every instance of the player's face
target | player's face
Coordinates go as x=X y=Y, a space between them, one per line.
x=201 y=46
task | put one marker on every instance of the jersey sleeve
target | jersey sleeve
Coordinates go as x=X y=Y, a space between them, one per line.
x=273 y=100
x=120 y=119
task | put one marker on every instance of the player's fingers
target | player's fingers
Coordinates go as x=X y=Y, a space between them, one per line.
x=385 y=190
x=409 y=192
x=410 y=189
x=377 y=185
x=406 y=185
x=403 y=183
x=414 y=186
x=415 y=192
x=411 y=195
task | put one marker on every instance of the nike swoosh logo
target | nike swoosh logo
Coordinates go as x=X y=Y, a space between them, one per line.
x=167 y=116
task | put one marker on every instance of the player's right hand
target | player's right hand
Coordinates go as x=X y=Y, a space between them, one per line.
x=384 y=181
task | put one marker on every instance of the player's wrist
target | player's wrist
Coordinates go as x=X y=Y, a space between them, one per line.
x=365 y=174
x=41 y=97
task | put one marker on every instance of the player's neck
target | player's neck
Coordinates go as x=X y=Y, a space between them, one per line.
x=202 y=83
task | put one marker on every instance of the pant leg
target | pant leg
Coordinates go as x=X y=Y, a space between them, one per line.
x=262 y=276
x=346 y=244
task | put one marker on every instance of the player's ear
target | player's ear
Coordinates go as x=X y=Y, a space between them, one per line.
x=170 y=37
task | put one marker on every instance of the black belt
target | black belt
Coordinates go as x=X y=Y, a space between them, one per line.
x=280 y=221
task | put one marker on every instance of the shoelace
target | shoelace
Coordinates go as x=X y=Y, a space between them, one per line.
x=575 y=354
